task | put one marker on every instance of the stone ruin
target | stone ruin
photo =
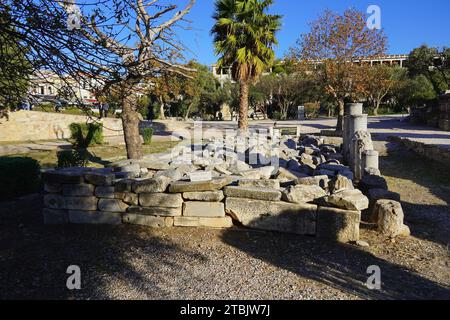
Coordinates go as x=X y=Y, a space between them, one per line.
x=297 y=185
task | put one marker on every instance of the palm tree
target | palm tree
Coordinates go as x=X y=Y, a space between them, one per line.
x=244 y=36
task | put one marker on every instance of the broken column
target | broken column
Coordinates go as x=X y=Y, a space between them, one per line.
x=351 y=109
x=370 y=161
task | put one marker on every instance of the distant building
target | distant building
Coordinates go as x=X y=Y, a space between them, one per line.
x=224 y=74
x=390 y=60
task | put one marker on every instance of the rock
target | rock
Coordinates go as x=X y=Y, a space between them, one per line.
x=213 y=185
x=267 y=172
x=52 y=188
x=287 y=175
x=223 y=222
x=203 y=209
x=155 y=211
x=390 y=217
x=208 y=196
x=129 y=198
x=52 y=216
x=378 y=194
x=149 y=221
x=347 y=199
x=199 y=176
x=164 y=200
x=124 y=185
x=100 y=179
x=154 y=165
x=251 y=174
x=372 y=182
x=134 y=169
x=172 y=175
x=321 y=181
x=124 y=175
x=404 y=231
x=253 y=193
x=95 y=217
x=311 y=141
x=55 y=201
x=78 y=190
x=340 y=183
x=273 y=215
x=154 y=185
x=303 y=193
x=263 y=183
x=237 y=166
x=112 y=205
x=63 y=177
x=372 y=172
x=337 y=224
x=108 y=193
x=222 y=169
x=362 y=244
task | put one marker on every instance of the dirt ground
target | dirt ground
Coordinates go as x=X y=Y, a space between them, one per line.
x=126 y=262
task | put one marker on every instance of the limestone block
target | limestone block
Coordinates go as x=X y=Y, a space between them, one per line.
x=337 y=224
x=303 y=193
x=208 y=196
x=94 y=217
x=321 y=181
x=63 y=177
x=262 y=183
x=213 y=185
x=156 y=211
x=78 y=190
x=390 y=217
x=203 y=209
x=100 y=179
x=253 y=193
x=52 y=188
x=154 y=185
x=378 y=194
x=124 y=185
x=112 y=205
x=54 y=201
x=348 y=200
x=144 y=220
x=223 y=222
x=164 y=200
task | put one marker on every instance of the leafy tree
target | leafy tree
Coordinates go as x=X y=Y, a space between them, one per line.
x=244 y=36
x=334 y=46
x=379 y=82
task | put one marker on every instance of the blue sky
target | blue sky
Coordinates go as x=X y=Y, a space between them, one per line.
x=408 y=24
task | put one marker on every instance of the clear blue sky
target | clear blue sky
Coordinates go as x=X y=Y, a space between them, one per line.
x=408 y=24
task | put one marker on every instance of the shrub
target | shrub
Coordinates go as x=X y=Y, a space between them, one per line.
x=86 y=134
x=19 y=176
x=73 y=158
x=147 y=133
x=312 y=110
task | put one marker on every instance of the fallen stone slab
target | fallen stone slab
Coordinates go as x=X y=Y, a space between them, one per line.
x=63 y=177
x=164 y=200
x=337 y=224
x=208 y=196
x=112 y=205
x=261 y=183
x=52 y=216
x=203 y=209
x=303 y=193
x=55 y=201
x=347 y=199
x=198 y=176
x=251 y=174
x=149 y=221
x=287 y=175
x=340 y=183
x=273 y=215
x=172 y=174
x=155 y=211
x=369 y=182
x=78 y=190
x=95 y=217
x=154 y=165
x=154 y=185
x=222 y=222
x=321 y=181
x=390 y=217
x=253 y=193
x=378 y=194
x=186 y=186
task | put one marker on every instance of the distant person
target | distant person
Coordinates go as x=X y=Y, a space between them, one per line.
x=58 y=106
x=26 y=105
x=105 y=108
x=100 y=109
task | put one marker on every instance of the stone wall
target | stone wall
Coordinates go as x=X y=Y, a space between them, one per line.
x=97 y=196
x=34 y=125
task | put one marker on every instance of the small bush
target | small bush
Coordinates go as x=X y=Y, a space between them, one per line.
x=19 y=176
x=147 y=133
x=86 y=134
x=72 y=158
x=312 y=110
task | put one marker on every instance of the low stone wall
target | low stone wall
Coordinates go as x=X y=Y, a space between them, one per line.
x=429 y=151
x=34 y=125
x=97 y=196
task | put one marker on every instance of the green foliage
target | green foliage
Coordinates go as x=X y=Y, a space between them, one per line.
x=72 y=158
x=86 y=134
x=147 y=134
x=20 y=176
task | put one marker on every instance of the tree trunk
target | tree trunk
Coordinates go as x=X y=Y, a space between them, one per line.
x=376 y=107
x=162 y=116
x=130 y=122
x=188 y=111
x=243 y=106
x=340 y=122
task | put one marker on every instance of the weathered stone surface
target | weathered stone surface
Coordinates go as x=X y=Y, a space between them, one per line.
x=52 y=188
x=154 y=165
x=321 y=181
x=164 y=200
x=123 y=185
x=203 y=209
x=156 y=211
x=95 y=217
x=390 y=217
x=129 y=198
x=267 y=172
x=372 y=182
x=337 y=224
x=107 y=192
x=287 y=175
x=172 y=174
x=52 y=216
x=63 y=176
x=348 y=200
x=273 y=215
x=378 y=194
x=143 y=220
x=112 y=205
x=213 y=185
x=223 y=222
x=78 y=190
x=134 y=168
x=155 y=185
x=340 y=183
x=253 y=193
x=100 y=179
x=198 y=176
x=303 y=193
x=251 y=174
x=262 y=183
x=55 y=201
x=209 y=196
